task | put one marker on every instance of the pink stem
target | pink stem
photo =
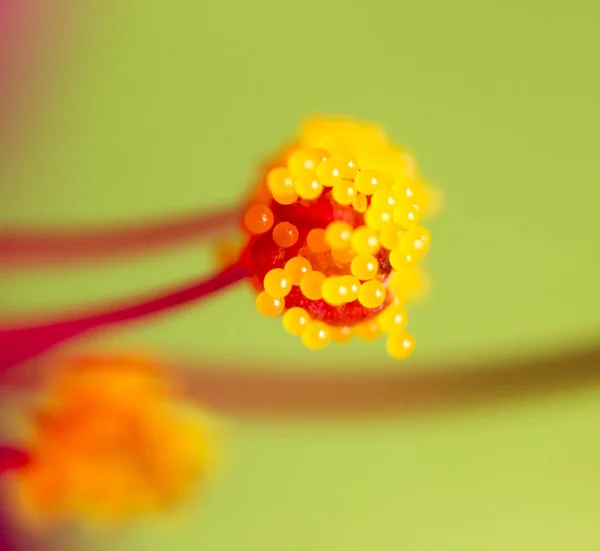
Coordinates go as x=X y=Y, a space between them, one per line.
x=47 y=246
x=23 y=343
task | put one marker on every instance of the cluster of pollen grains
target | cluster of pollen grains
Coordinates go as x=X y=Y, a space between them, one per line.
x=336 y=236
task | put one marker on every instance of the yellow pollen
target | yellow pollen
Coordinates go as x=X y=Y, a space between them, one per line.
x=335 y=291
x=364 y=266
x=369 y=181
x=365 y=240
x=341 y=334
x=311 y=285
x=406 y=214
x=308 y=187
x=316 y=335
x=372 y=294
x=389 y=237
x=296 y=268
x=268 y=305
x=304 y=162
x=316 y=241
x=295 y=320
x=360 y=203
x=285 y=234
x=258 y=219
x=343 y=192
x=378 y=219
x=400 y=346
x=280 y=182
x=383 y=199
x=277 y=283
x=393 y=320
x=343 y=256
x=415 y=242
x=338 y=234
x=368 y=330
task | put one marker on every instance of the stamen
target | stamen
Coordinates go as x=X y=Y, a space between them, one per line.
x=23 y=343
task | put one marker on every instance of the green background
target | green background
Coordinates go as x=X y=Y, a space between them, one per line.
x=149 y=108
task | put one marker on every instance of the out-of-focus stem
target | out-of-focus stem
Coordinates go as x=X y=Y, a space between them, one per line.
x=19 y=344
x=309 y=392
x=33 y=248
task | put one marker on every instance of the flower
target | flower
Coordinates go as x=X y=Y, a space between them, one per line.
x=335 y=235
x=111 y=440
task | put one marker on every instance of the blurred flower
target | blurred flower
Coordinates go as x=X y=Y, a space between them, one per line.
x=112 y=439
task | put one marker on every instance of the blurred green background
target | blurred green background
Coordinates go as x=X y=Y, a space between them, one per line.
x=149 y=109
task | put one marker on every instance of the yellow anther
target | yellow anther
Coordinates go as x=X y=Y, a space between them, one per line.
x=393 y=320
x=365 y=240
x=378 y=219
x=344 y=192
x=286 y=198
x=295 y=320
x=285 y=234
x=370 y=181
x=360 y=203
x=384 y=199
x=338 y=234
x=277 y=283
x=389 y=237
x=311 y=285
x=342 y=256
x=268 y=305
x=280 y=181
x=335 y=169
x=400 y=346
x=368 y=330
x=316 y=335
x=316 y=241
x=364 y=266
x=304 y=162
x=352 y=286
x=296 y=268
x=406 y=214
x=308 y=187
x=401 y=262
x=334 y=291
x=372 y=294
x=341 y=334
x=258 y=219
x=415 y=242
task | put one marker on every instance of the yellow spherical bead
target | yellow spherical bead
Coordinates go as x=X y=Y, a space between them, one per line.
x=316 y=335
x=296 y=268
x=285 y=198
x=392 y=320
x=400 y=346
x=401 y=262
x=311 y=285
x=338 y=234
x=378 y=219
x=365 y=241
x=258 y=219
x=368 y=330
x=280 y=181
x=335 y=169
x=268 y=305
x=406 y=214
x=316 y=241
x=308 y=187
x=370 y=181
x=352 y=286
x=304 y=162
x=343 y=192
x=334 y=291
x=415 y=242
x=360 y=203
x=389 y=237
x=341 y=335
x=285 y=234
x=296 y=320
x=384 y=199
x=343 y=256
x=364 y=266
x=277 y=283
x=372 y=294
